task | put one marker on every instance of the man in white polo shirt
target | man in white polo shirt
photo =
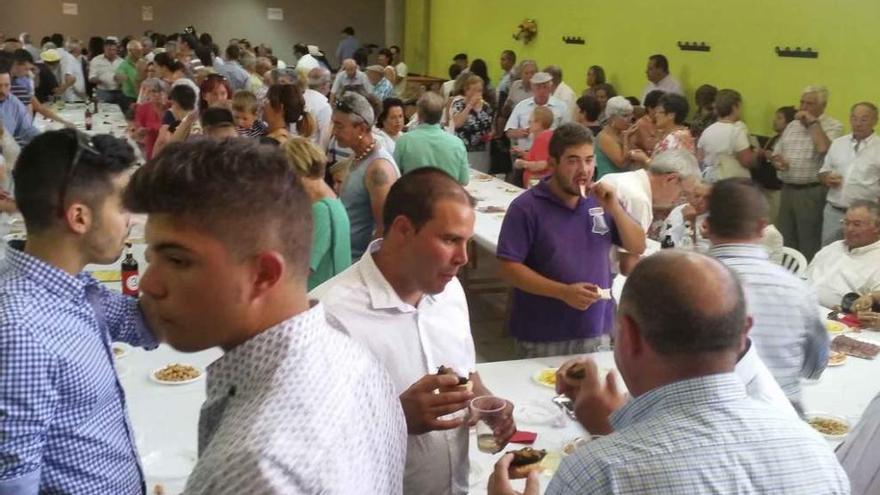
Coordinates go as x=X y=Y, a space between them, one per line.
x=517 y=127
x=402 y=300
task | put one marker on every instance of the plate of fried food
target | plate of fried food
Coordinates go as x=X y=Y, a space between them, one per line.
x=831 y=426
x=545 y=377
x=836 y=358
x=176 y=374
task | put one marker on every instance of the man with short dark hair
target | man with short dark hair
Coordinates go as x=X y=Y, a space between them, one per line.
x=553 y=249
x=428 y=145
x=659 y=78
x=689 y=426
x=403 y=301
x=461 y=60
x=266 y=426
x=508 y=61
x=102 y=72
x=65 y=428
x=23 y=87
x=13 y=115
x=236 y=75
x=347 y=45
x=186 y=54
x=792 y=347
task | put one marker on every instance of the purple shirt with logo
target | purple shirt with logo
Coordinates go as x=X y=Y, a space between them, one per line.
x=564 y=245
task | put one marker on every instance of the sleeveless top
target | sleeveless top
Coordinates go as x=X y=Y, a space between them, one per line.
x=356 y=199
x=331 y=242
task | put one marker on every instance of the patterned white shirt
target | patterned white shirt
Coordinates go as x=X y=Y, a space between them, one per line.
x=300 y=408
x=668 y=84
x=837 y=269
x=702 y=435
x=522 y=113
x=798 y=149
x=786 y=331
x=412 y=342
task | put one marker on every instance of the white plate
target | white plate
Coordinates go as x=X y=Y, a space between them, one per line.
x=124 y=349
x=536 y=413
x=169 y=465
x=536 y=375
x=819 y=414
x=183 y=382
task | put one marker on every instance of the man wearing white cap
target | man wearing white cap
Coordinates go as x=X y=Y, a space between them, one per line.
x=517 y=128
x=382 y=88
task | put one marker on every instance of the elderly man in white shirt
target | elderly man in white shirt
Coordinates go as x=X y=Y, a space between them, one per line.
x=72 y=65
x=562 y=90
x=517 y=127
x=853 y=264
x=851 y=170
x=349 y=77
x=402 y=300
x=102 y=70
x=293 y=405
x=659 y=77
x=669 y=175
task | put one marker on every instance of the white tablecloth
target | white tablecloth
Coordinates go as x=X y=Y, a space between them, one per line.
x=108 y=120
x=490 y=191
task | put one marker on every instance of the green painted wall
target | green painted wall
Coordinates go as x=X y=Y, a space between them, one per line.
x=621 y=35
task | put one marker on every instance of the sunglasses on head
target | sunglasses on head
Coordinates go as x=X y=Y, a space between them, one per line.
x=344 y=107
x=83 y=145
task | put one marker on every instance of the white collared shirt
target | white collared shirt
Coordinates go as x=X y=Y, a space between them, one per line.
x=318 y=106
x=104 y=70
x=299 y=408
x=837 y=270
x=522 y=112
x=411 y=342
x=73 y=66
x=847 y=155
x=759 y=382
x=668 y=84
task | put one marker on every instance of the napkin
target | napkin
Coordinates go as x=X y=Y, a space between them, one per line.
x=524 y=437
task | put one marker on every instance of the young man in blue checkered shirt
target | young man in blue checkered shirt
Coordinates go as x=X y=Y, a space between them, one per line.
x=64 y=427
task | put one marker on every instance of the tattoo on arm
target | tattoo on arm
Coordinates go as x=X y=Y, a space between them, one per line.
x=378 y=177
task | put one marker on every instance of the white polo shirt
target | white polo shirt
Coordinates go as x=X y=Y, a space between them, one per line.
x=837 y=270
x=522 y=112
x=411 y=342
x=634 y=193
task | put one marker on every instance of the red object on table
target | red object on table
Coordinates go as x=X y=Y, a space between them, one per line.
x=524 y=437
x=850 y=320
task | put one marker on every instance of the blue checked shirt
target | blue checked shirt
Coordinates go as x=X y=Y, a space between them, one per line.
x=64 y=427
x=786 y=330
x=702 y=435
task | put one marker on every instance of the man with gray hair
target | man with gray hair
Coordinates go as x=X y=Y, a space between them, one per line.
x=72 y=85
x=798 y=156
x=851 y=170
x=428 y=145
x=149 y=48
x=517 y=127
x=348 y=78
x=27 y=44
x=319 y=80
x=668 y=176
x=560 y=89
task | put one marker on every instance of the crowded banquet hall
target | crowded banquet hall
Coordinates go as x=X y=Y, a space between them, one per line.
x=605 y=249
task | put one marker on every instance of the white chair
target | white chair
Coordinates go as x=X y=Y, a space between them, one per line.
x=794 y=261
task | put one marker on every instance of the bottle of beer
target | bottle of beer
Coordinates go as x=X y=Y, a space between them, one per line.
x=130 y=278
x=88 y=119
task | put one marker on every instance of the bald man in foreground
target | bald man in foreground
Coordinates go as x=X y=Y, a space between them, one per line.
x=689 y=426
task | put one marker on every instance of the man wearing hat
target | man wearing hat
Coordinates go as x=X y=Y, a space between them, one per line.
x=382 y=88
x=517 y=128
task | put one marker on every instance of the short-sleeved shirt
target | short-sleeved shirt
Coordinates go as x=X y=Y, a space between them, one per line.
x=129 y=85
x=522 y=112
x=23 y=89
x=564 y=245
x=539 y=151
x=331 y=241
x=428 y=145
x=720 y=143
x=853 y=160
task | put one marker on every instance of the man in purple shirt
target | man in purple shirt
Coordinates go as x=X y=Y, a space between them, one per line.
x=554 y=250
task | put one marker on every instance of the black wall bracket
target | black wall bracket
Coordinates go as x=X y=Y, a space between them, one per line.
x=573 y=40
x=796 y=53
x=694 y=47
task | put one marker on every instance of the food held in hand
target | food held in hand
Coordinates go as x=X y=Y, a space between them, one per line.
x=547 y=377
x=463 y=381
x=583 y=191
x=177 y=373
x=604 y=293
x=525 y=460
x=576 y=372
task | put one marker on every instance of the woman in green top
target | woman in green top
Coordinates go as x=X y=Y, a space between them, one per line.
x=331 y=238
x=613 y=143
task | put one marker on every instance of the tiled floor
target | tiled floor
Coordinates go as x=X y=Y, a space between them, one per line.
x=488 y=313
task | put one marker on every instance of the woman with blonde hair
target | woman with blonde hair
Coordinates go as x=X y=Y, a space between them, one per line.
x=331 y=235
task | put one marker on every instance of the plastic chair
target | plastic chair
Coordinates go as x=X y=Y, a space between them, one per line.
x=794 y=261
